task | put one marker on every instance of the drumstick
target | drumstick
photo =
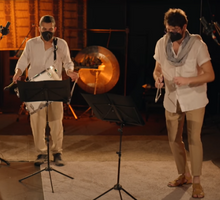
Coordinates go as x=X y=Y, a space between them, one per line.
x=7 y=87
x=71 y=93
x=74 y=84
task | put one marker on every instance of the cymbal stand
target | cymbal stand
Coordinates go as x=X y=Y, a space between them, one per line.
x=97 y=72
x=68 y=103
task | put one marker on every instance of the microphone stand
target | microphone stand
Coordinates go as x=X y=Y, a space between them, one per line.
x=217 y=27
x=22 y=107
x=24 y=40
x=209 y=29
x=1 y=159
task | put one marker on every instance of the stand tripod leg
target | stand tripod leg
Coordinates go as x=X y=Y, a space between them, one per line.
x=32 y=174
x=51 y=182
x=62 y=173
x=88 y=109
x=128 y=193
x=95 y=91
x=2 y=160
x=103 y=193
x=68 y=107
x=118 y=186
x=74 y=114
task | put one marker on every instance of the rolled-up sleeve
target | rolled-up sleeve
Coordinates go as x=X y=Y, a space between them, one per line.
x=203 y=54
x=66 y=59
x=24 y=60
x=157 y=52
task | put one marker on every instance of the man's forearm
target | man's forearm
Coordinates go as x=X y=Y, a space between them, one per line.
x=18 y=72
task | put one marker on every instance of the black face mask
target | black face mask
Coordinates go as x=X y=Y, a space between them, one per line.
x=175 y=36
x=47 y=35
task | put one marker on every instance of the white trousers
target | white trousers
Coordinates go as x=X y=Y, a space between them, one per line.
x=38 y=122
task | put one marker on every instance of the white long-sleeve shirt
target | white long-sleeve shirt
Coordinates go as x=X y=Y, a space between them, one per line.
x=38 y=59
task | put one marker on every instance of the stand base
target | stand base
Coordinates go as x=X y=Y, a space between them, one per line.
x=116 y=187
x=2 y=160
x=46 y=169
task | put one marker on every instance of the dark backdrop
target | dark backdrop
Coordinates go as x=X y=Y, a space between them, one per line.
x=144 y=18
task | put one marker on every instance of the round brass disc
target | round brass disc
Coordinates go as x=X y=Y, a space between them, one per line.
x=103 y=79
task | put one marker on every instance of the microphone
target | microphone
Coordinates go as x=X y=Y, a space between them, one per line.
x=7 y=25
x=5 y=29
x=208 y=29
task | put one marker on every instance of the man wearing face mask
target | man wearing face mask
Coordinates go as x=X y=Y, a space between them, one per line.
x=183 y=63
x=39 y=54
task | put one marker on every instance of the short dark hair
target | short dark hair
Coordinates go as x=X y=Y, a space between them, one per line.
x=175 y=17
x=47 y=19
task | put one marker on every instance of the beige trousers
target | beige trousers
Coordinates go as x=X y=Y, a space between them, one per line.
x=174 y=123
x=38 y=122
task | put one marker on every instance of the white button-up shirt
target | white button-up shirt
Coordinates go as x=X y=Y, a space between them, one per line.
x=189 y=97
x=38 y=59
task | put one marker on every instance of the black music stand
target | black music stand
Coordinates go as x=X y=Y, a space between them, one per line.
x=45 y=91
x=119 y=109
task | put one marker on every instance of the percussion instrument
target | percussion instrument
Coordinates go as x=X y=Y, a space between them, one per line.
x=158 y=94
x=48 y=74
x=102 y=78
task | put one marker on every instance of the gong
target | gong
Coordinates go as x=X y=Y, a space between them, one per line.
x=104 y=76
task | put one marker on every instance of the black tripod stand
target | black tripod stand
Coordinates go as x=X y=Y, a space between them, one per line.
x=45 y=91
x=119 y=109
x=2 y=160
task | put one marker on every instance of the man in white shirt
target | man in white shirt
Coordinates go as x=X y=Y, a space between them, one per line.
x=183 y=63
x=39 y=54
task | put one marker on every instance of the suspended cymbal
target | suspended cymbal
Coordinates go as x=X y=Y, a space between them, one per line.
x=102 y=78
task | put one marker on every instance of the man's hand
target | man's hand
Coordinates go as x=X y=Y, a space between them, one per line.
x=73 y=75
x=17 y=76
x=180 y=81
x=158 y=76
x=159 y=82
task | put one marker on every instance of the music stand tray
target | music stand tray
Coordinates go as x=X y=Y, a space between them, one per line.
x=45 y=91
x=119 y=109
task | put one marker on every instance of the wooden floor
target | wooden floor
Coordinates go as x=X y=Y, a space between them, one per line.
x=13 y=125
x=87 y=138
x=12 y=189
